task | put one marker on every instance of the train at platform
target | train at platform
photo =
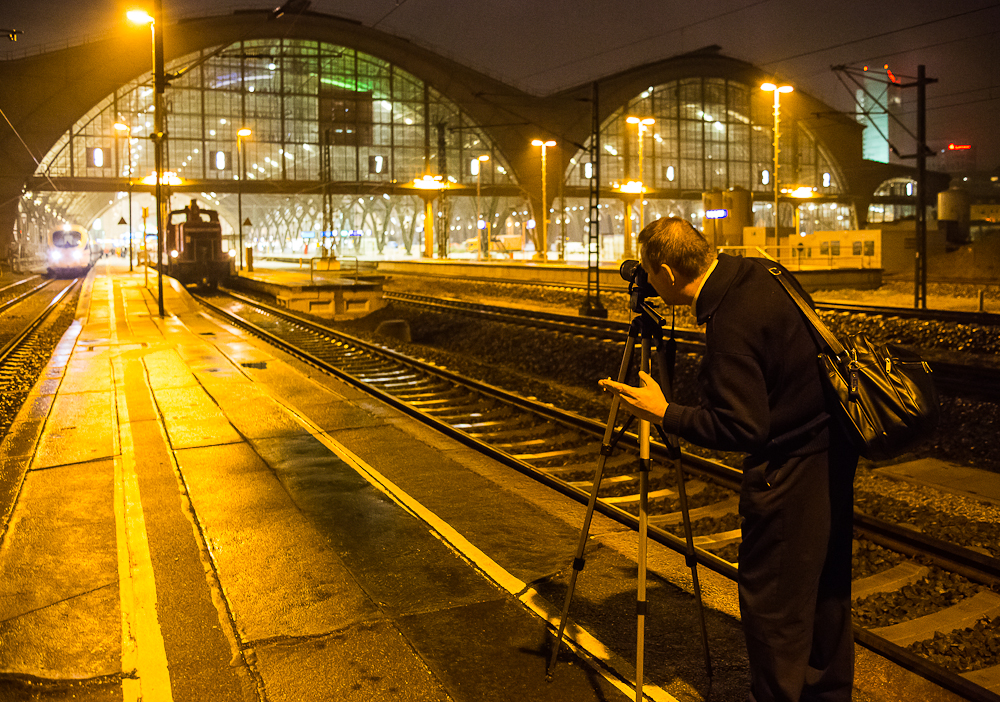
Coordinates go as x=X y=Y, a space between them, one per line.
x=193 y=247
x=70 y=252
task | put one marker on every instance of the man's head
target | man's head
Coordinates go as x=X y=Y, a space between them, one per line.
x=674 y=255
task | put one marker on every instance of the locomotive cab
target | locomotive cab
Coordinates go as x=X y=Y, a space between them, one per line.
x=195 y=250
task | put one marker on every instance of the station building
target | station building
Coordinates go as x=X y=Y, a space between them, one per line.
x=363 y=144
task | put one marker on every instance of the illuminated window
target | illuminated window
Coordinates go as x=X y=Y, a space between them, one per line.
x=97 y=157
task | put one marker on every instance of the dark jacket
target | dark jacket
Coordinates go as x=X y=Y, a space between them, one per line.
x=760 y=375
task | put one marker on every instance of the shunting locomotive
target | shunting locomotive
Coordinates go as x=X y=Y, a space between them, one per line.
x=195 y=250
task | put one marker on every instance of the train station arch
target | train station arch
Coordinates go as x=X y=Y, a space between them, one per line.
x=384 y=111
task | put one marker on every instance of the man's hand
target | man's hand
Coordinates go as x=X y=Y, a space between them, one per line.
x=645 y=402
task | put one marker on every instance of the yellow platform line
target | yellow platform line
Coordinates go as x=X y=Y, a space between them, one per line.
x=145 y=676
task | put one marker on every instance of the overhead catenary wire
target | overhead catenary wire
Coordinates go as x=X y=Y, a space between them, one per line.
x=626 y=45
x=399 y=4
x=881 y=34
x=27 y=148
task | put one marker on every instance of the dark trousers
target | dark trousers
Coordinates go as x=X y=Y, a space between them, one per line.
x=795 y=576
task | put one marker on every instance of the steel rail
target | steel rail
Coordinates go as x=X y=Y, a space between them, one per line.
x=17 y=283
x=934 y=315
x=952 y=378
x=21 y=296
x=970 y=563
x=954 y=316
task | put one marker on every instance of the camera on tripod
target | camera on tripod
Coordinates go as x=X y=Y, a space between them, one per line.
x=639 y=287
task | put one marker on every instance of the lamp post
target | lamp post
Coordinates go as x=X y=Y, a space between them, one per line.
x=543 y=255
x=159 y=84
x=641 y=124
x=122 y=127
x=477 y=167
x=428 y=188
x=777 y=90
x=240 y=134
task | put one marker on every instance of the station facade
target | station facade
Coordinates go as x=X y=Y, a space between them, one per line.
x=361 y=143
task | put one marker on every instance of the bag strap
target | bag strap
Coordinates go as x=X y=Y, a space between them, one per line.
x=809 y=312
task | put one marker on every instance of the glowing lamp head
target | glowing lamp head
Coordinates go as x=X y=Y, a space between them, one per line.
x=771 y=87
x=539 y=142
x=139 y=17
x=244 y=132
x=429 y=182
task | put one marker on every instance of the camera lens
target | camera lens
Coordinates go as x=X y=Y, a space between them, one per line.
x=628 y=269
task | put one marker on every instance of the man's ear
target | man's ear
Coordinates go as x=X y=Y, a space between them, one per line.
x=670 y=272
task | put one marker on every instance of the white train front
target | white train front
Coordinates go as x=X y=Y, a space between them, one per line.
x=71 y=251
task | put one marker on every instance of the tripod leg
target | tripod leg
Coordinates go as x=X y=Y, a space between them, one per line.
x=640 y=604
x=578 y=561
x=691 y=561
x=668 y=355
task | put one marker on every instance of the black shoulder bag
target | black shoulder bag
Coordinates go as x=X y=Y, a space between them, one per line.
x=882 y=395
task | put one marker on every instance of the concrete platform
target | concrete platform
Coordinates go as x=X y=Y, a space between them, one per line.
x=557 y=273
x=947 y=477
x=329 y=293
x=192 y=515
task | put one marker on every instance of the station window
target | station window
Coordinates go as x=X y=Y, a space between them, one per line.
x=219 y=160
x=97 y=157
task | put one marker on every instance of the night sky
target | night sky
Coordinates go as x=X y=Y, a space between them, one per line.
x=543 y=46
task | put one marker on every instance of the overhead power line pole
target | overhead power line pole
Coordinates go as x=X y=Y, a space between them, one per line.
x=920 y=256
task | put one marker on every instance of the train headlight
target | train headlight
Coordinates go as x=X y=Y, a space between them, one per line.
x=173 y=254
x=76 y=255
x=54 y=255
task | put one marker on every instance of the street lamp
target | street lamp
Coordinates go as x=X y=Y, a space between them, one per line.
x=544 y=255
x=122 y=127
x=159 y=83
x=777 y=90
x=240 y=134
x=428 y=187
x=641 y=124
x=477 y=169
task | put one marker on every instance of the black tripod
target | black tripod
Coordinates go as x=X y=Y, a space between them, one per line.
x=646 y=327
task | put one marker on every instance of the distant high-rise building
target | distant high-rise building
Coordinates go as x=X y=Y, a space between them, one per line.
x=877 y=100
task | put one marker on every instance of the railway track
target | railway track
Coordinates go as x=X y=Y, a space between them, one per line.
x=29 y=331
x=934 y=315
x=16 y=292
x=951 y=378
x=561 y=450
x=21 y=318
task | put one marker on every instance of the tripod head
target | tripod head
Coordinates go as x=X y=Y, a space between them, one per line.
x=639 y=287
x=648 y=321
